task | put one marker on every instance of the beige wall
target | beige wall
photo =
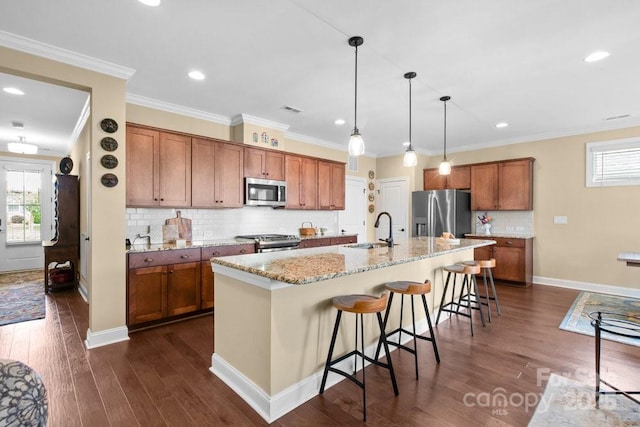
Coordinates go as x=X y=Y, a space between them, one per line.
x=107 y=211
x=602 y=221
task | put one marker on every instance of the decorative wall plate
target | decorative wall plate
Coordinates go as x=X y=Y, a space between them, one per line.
x=66 y=165
x=109 y=125
x=371 y=197
x=109 y=161
x=372 y=174
x=371 y=208
x=109 y=180
x=372 y=186
x=108 y=144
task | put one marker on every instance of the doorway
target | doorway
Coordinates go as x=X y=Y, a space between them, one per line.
x=353 y=219
x=394 y=199
x=25 y=212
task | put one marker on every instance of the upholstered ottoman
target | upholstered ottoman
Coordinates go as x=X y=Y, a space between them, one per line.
x=23 y=397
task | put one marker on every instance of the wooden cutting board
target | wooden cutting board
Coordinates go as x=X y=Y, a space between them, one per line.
x=183 y=224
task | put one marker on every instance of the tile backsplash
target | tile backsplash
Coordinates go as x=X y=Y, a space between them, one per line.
x=212 y=224
x=506 y=222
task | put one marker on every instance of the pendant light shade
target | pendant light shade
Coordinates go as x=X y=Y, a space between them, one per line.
x=445 y=165
x=356 y=143
x=22 y=147
x=410 y=159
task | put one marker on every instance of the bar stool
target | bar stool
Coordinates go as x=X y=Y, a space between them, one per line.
x=487 y=265
x=359 y=304
x=465 y=299
x=409 y=288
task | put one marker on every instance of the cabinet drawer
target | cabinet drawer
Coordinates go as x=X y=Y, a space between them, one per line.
x=314 y=242
x=150 y=259
x=228 y=250
x=511 y=243
x=343 y=240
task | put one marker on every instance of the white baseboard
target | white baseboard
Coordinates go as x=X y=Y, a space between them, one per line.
x=106 y=337
x=586 y=286
x=84 y=293
x=273 y=407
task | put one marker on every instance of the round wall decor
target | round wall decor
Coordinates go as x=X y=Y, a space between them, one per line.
x=66 y=165
x=371 y=197
x=109 y=180
x=372 y=186
x=109 y=161
x=108 y=144
x=372 y=174
x=371 y=208
x=109 y=125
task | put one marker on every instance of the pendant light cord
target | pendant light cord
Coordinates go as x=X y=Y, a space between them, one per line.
x=410 y=147
x=445 y=130
x=355 y=107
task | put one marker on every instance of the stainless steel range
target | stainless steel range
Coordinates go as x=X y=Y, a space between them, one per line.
x=273 y=242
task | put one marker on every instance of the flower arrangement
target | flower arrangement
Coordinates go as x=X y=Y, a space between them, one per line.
x=485 y=219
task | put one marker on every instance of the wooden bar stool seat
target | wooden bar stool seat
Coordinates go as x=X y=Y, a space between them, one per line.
x=468 y=298
x=359 y=305
x=409 y=288
x=487 y=265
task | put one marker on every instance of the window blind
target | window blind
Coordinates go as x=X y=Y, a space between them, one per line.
x=613 y=163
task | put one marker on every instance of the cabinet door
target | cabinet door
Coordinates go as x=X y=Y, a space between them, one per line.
x=433 y=180
x=460 y=178
x=147 y=294
x=314 y=243
x=207 y=284
x=510 y=263
x=483 y=253
x=142 y=167
x=228 y=176
x=175 y=170
x=324 y=185
x=337 y=186
x=515 y=185
x=183 y=288
x=293 y=167
x=203 y=173
x=254 y=160
x=484 y=187
x=274 y=165
x=309 y=183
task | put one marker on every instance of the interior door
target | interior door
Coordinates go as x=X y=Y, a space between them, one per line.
x=25 y=213
x=394 y=199
x=353 y=219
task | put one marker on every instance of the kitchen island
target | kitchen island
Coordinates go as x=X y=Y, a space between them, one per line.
x=274 y=317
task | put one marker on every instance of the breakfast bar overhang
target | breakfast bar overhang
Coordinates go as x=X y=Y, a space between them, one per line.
x=273 y=317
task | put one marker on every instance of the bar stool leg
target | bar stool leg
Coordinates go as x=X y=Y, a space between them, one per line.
x=465 y=282
x=388 y=354
x=495 y=294
x=331 y=346
x=478 y=300
x=433 y=338
x=443 y=306
x=364 y=389
x=384 y=323
x=486 y=292
x=415 y=341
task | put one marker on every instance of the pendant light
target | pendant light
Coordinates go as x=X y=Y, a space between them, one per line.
x=410 y=159
x=445 y=165
x=356 y=144
x=22 y=147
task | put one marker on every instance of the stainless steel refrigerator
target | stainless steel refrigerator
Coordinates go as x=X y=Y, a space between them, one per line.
x=437 y=211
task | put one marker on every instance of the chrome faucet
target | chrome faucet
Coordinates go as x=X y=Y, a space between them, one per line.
x=390 y=239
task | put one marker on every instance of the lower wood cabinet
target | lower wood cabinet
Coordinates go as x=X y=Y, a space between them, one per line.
x=207 y=273
x=514 y=258
x=327 y=241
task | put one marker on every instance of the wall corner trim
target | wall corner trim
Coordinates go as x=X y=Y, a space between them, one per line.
x=106 y=337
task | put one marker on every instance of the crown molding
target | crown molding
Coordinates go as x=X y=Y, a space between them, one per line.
x=143 y=101
x=253 y=120
x=33 y=47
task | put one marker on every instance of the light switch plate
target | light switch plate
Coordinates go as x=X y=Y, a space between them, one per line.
x=560 y=220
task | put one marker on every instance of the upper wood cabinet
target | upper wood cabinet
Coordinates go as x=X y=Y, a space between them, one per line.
x=216 y=175
x=158 y=168
x=505 y=185
x=331 y=185
x=302 y=182
x=265 y=164
x=459 y=179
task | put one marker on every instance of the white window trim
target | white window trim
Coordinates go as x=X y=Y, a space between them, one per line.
x=617 y=144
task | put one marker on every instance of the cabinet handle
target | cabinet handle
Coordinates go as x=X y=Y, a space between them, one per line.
x=171 y=271
x=155 y=200
x=215 y=254
x=148 y=259
x=243 y=251
x=184 y=256
x=161 y=199
x=509 y=242
x=164 y=272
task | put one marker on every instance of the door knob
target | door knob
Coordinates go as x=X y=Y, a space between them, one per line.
x=402 y=229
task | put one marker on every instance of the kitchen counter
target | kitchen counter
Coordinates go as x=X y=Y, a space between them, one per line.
x=501 y=235
x=631 y=258
x=328 y=236
x=274 y=316
x=144 y=247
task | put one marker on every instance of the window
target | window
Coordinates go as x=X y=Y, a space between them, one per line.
x=613 y=163
x=23 y=206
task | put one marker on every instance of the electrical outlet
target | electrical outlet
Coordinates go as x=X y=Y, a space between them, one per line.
x=560 y=220
x=519 y=228
x=208 y=233
x=509 y=228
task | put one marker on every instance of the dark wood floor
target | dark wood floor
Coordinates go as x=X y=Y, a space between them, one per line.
x=160 y=377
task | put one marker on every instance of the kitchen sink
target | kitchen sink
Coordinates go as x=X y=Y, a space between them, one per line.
x=373 y=245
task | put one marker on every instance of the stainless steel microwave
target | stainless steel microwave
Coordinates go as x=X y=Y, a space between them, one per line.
x=264 y=192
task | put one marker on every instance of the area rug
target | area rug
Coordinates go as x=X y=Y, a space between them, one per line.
x=577 y=318
x=566 y=402
x=21 y=297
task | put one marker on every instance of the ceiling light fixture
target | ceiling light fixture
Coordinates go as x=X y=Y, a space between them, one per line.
x=22 y=147
x=13 y=90
x=196 y=75
x=152 y=3
x=502 y=125
x=596 y=56
x=445 y=165
x=356 y=144
x=339 y=122
x=410 y=159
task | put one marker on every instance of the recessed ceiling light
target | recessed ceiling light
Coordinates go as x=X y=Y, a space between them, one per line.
x=502 y=125
x=152 y=3
x=13 y=91
x=596 y=56
x=196 y=75
x=339 y=122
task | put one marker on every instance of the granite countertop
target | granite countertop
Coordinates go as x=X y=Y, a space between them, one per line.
x=144 y=247
x=311 y=265
x=631 y=258
x=501 y=235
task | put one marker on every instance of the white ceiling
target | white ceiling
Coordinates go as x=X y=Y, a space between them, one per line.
x=500 y=60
